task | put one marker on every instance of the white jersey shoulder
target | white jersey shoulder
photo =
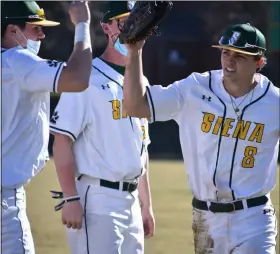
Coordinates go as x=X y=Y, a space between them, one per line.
x=30 y=72
x=167 y=102
x=273 y=91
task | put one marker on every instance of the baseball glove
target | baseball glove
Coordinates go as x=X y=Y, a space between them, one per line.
x=143 y=20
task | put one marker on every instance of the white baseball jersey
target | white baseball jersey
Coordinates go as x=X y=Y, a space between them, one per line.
x=26 y=82
x=225 y=159
x=107 y=143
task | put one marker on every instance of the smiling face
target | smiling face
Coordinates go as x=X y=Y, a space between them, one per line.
x=237 y=66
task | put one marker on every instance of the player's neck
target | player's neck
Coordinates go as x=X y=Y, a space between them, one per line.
x=239 y=88
x=7 y=44
x=112 y=56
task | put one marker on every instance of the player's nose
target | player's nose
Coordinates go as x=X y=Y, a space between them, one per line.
x=230 y=59
x=41 y=34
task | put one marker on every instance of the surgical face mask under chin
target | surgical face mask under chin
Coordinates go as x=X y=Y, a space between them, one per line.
x=31 y=46
x=121 y=48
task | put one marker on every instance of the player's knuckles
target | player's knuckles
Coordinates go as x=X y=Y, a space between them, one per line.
x=69 y=225
x=74 y=225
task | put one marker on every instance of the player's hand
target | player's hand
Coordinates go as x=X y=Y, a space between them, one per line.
x=148 y=221
x=135 y=47
x=72 y=214
x=79 y=12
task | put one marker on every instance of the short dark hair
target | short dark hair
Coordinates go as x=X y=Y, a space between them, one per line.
x=5 y=25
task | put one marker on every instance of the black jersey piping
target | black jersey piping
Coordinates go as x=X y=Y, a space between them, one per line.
x=55 y=129
x=237 y=138
x=152 y=103
x=222 y=128
x=55 y=78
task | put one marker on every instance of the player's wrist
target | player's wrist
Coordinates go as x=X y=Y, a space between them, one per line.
x=70 y=193
x=66 y=200
x=146 y=205
x=82 y=33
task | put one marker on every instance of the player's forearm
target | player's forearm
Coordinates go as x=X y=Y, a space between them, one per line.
x=65 y=166
x=144 y=189
x=75 y=76
x=134 y=88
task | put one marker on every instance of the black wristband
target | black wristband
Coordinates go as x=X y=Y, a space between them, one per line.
x=66 y=200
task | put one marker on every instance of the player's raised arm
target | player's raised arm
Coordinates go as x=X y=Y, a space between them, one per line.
x=135 y=101
x=155 y=102
x=75 y=77
x=21 y=39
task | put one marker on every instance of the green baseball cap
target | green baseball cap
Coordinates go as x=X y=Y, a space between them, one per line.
x=117 y=9
x=243 y=38
x=20 y=12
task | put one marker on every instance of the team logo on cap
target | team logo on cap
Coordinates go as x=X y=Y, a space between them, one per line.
x=234 y=38
x=40 y=15
x=130 y=4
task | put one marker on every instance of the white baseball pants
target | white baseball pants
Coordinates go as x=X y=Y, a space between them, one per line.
x=112 y=222
x=16 y=233
x=249 y=231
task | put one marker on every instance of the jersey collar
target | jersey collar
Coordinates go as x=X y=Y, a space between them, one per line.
x=108 y=70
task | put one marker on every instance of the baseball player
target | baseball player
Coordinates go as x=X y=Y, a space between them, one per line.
x=26 y=82
x=101 y=157
x=229 y=133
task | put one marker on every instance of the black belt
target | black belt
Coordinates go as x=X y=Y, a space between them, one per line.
x=127 y=186
x=228 y=207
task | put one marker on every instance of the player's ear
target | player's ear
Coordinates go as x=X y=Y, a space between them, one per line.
x=106 y=28
x=12 y=29
x=260 y=62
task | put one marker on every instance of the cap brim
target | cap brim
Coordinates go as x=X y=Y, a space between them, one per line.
x=44 y=23
x=235 y=49
x=124 y=15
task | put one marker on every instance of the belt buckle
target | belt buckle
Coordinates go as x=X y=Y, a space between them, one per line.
x=130 y=185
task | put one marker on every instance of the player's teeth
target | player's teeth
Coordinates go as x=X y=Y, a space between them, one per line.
x=230 y=69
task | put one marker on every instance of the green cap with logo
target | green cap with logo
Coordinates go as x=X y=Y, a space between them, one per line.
x=117 y=10
x=20 y=12
x=243 y=38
